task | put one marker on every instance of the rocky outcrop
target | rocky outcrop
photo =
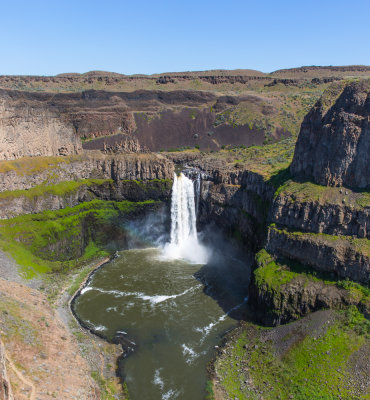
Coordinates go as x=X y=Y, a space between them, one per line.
x=104 y=224
x=93 y=165
x=54 y=198
x=346 y=258
x=283 y=291
x=333 y=146
x=5 y=388
x=120 y=143
x=235 y=199
x=233 y=211
x=33 y=129
x=296 y=299
x=55 y=123
x=220 y=172
x=329 y=218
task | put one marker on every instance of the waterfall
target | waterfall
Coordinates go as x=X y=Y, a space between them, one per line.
x=183 y=220
x=184 y=237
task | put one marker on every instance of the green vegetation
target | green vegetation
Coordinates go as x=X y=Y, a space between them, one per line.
x=310 y=192
x=182 y=148
x=361 y=246
x=209 y=391
x=59 y=189
x=31 y=165
x=109 y=389
x=282 y=112
x=267 y=160
x=59 y=240
x=271 y=274
x=315 y=366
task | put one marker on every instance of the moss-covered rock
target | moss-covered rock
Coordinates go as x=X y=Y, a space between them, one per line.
x=345 y=256
x=56 y=240
x=322 y=356
x=71 y=193
x=283 y=291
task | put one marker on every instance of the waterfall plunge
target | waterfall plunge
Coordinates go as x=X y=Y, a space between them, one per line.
x=184 y=238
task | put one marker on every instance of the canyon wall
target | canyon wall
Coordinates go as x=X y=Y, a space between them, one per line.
x=33 y=128
x=333 y=146
x=56 y=197
x=317 y=246
x=29 y=172
x=323 y=228
x=52 y=124
x=330 y=217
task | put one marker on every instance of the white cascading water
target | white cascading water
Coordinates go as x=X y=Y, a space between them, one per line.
x=184 y=238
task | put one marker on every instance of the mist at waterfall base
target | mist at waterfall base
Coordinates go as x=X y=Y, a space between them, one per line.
x=173 y=230
x=169 y=303
x=184 y=242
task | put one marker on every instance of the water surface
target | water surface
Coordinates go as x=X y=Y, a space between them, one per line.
x=160 y=307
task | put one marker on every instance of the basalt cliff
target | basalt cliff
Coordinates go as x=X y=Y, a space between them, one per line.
x=333 y=146
x=78 y=168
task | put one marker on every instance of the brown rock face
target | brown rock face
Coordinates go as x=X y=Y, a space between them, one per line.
x=5 y=388
x=333 y=146
x=321 y=252
x=296 y=299
x=94 y=165
x=310 y=216
x=33 y=129
x=120 y=143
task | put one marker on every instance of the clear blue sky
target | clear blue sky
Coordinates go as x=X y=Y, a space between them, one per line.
x=40 y=37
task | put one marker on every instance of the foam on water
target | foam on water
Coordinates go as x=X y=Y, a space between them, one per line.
x=207 y=329
x=157 y=378
x=155 y=299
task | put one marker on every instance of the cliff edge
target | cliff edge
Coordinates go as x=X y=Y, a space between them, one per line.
x=333 y=146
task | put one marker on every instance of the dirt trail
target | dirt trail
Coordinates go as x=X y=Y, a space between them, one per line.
x=42 y=353
x=25 y=381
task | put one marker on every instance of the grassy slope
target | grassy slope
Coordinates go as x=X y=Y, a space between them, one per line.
x=316 y=367
x=59 y=189
x=32 y=165
x=311 y=192
x=360 y=245
x=28 y=238
x=271 y=276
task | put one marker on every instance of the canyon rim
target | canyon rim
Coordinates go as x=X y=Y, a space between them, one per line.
x=267 y=172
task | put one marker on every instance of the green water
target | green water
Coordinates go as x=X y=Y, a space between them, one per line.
x=161 y=308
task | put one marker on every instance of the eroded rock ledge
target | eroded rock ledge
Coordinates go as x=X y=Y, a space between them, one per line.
x=29 y=172
x=333 y=146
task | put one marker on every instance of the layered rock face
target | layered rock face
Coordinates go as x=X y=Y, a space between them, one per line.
x=324 y=253
x=318 y=233
x=329 y=218
x=34 y=123
x=29 y=128
x=49 y=124
x=333 y=146
x=120 y=143
x=86 y=190
x=92 y=165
